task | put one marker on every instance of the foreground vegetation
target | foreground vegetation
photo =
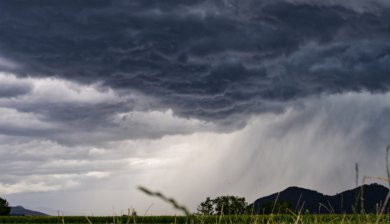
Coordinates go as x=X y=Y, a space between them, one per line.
x=239 y=219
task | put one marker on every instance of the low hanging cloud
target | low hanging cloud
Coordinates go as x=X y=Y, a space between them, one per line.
x=72 y=114
x=13 y=87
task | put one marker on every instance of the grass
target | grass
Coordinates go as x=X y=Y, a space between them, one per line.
x=239 y=219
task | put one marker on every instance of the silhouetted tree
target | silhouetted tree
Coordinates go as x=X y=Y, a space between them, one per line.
x=206 y=207
x=227 y=205
x=4 y=207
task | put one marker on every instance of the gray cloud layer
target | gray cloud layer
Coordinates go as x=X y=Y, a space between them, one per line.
x=204 y=59
x=74 y=114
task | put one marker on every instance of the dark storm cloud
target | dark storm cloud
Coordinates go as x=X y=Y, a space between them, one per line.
x=12 y=90
x=204 y=59
x=72 y=123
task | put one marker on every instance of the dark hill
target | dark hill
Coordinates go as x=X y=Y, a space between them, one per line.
x=311 y=201
x=20 y=211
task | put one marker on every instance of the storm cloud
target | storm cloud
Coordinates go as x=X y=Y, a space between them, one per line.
x=197 y=57
x=99 y=96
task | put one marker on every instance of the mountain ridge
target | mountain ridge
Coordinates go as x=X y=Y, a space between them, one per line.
x=310 y=201
x=21 y=211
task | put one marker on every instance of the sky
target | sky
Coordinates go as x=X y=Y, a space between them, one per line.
x=191 y=98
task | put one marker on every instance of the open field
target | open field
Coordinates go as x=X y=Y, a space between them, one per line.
x=247 y=219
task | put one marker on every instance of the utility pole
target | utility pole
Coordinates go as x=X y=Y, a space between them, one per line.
x=357 y=174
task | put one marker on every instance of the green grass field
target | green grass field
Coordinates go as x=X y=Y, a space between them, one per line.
x=247 y=219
